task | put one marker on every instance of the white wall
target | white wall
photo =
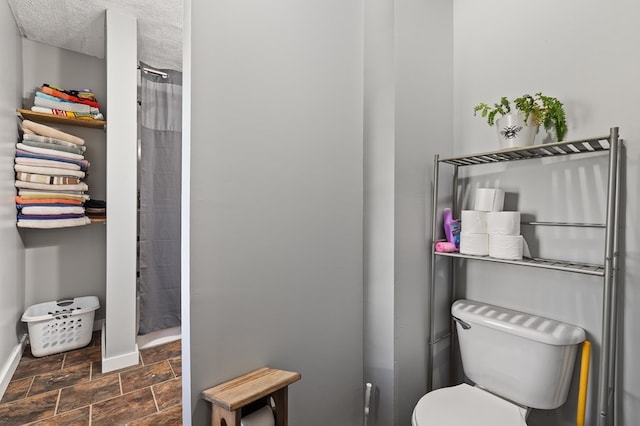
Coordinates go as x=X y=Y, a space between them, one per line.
x=11 y=247
x=582 y=52
x=408 y=93
x=119 y=338
x=70 y=262
x=276 y=200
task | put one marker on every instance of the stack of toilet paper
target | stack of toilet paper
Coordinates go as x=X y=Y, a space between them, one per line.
x=487 y=230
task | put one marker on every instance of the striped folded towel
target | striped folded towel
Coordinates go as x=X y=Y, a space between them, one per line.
x=52 y=180
x=51 y=187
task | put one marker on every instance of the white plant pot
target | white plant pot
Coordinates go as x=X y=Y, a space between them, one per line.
x=513 y=132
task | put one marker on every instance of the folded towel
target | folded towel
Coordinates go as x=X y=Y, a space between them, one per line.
x=41 y=129
x=41 y=101
x=53 y=223
x=31 y=185
x=68 y=114
x=52 y=210
x=34 y=194
x=52 y=171
x=55 y=147
x=49 y=216
x=59 y=202
x=82 y=94
x=46 y=151
x=53 y=180
x=96 y=204
x=60 y=93
x=30 y=136
x=84 y=164
x=38 y=162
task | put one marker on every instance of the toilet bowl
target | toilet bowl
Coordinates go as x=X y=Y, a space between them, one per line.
x=517 y=360
x=463 y=405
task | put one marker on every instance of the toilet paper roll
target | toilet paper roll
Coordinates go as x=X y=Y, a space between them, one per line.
x=503 y=223
x=261 y=417
x=507 y=247
x=489 y=199
x=474 y=244
x=473 y=222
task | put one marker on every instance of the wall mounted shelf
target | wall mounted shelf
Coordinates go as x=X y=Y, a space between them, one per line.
x=57 y=119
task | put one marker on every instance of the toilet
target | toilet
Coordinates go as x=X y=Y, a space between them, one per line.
x=517 y=362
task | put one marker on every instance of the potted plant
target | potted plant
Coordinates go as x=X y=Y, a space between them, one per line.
x=520 y=127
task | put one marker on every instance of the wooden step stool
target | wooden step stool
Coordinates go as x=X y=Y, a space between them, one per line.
x=229 y=398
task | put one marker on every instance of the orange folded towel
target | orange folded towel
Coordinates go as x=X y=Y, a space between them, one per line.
x=59 y=94
x=20 y=200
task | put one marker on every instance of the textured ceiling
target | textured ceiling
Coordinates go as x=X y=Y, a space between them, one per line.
x=79 y=26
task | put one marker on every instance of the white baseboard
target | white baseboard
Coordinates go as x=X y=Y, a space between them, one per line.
x=158 y=337
x=9 y=367
x=119 y=361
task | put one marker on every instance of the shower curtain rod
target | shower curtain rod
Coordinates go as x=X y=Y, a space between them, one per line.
x=152 y=71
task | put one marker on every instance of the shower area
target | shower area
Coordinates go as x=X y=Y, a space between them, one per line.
x=158 y=313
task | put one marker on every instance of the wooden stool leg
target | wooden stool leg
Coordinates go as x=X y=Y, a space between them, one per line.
x=230 y=418
x=280 y=398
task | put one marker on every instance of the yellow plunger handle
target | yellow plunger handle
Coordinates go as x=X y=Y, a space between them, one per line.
x=584 y=379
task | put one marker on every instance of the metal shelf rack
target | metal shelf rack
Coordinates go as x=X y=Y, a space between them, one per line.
x=608 y=270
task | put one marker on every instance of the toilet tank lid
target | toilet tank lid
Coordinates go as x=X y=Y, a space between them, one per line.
x=521 y=324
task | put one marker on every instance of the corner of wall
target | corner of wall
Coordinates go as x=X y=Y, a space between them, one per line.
x=11 y=247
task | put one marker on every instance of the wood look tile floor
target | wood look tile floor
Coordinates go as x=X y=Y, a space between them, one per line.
x=69 y=389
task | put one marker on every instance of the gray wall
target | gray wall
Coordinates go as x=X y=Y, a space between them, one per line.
x=584 y=54
x=408 y=87
x=65 y=263
x=11 y=247
x=424 y=85
x=276 y=200
x=379 y=207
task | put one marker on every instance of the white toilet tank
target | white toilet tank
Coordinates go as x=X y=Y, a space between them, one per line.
x=521 y=357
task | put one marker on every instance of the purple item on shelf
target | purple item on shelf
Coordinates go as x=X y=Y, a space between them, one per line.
x=451 y=229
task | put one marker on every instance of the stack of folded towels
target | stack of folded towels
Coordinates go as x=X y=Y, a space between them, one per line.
x=80 y=103
x=96 y=210
x=49 y=167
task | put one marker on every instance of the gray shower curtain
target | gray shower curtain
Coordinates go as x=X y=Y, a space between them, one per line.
x=160 y=170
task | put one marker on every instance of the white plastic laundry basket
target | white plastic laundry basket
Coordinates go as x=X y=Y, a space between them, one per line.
x=60 y=325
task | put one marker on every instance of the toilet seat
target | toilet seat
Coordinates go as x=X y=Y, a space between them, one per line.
x=463 y=405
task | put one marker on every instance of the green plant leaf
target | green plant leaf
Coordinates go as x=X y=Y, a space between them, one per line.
x=537 y=109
